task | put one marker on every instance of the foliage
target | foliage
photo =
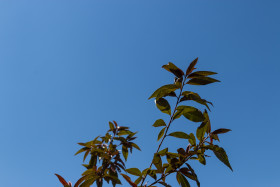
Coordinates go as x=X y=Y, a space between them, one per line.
x=107 y=162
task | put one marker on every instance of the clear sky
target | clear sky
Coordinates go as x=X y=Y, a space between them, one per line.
x=67 y=67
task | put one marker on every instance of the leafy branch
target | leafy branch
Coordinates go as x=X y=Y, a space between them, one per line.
x=107 y=161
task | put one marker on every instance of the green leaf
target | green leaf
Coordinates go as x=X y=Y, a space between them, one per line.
x=201 y=159
x=222 y=156
x=158 y=162
x=192 y=139
x=221 y=131
x=202 y=81
x=159 y=123
x=163 y=152
x=124 y=152
x=161 y=133
x=191 y=66
x=111 y=125
x=191 y=113
x=179 y=135
x=201 y=130
x=135 y=146
x=194 y=174
x=188 y=95
x=173 y=69
x=201 y=74
x=163 y=105
x=81 y=150
x=182 y=180
x=134 y=171
x=138 y=180
x=164 y=91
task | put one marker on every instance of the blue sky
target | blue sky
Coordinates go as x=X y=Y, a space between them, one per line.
x=69 y=67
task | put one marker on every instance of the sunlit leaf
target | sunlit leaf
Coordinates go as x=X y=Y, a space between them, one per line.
x=134 y=171
x=161 y=133
x=179 y=135
x=164 y=91
x=159 y=123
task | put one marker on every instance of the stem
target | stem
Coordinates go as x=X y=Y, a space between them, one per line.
x=170 y=121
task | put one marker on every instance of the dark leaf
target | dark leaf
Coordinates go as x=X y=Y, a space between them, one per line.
x=159 y=123
x=201 y=74
x=221 y=131
x=202 y=81
x=135 y=146
x=182 y=180
x=191 y=66
x=222 y=156
x=163 y=105
x=127 y=178
x=62 y=180
x=179 y=135
x=124 y=152
x=173 y=69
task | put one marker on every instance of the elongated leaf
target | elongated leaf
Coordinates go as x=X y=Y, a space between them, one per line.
x=191 y=113
x=138 y=180
x=201 y=74
x=127 y=178
x=222 y=156
x=111 y=125
x=159 y=123
x=124 y=152
x=80 y=181
x=173 y=69
x=62 y=180
x=161 y=133
x=164 y=91
x=221 y=131
x=192 y=139
x=182 y=180
x=134 y=171
x=194 y=174
x=201 y=130
x=158 y=162
x=187 y=95
x=202 y=81
x=191 y=66
x=179 y=135
x=135 y=146
x=163 y=105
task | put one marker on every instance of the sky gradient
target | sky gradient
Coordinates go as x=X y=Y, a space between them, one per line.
x=69 y=67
